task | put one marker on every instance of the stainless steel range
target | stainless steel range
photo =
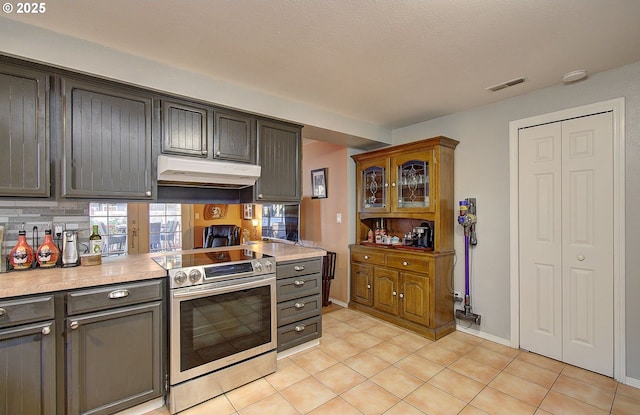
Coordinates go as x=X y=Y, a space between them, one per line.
x=222 y=322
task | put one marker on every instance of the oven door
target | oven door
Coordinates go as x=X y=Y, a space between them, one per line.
x=218 y=324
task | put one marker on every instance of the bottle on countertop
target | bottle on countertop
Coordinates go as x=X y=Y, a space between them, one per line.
x=378 y=236
x=370 y=236
x=47 y=253
x=21 y=256
x=95 y=242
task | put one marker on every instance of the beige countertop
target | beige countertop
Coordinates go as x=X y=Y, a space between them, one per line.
x=126 y=268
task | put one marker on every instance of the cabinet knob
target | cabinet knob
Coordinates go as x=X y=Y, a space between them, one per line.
x=74 y=325
x=299 y=267
x=299 y=305
x=298 y=283
x=393 y=184
x=217 y=153
x=46 y=330
x=395 y=293
x=401 y=295
x=366 y=257
x=148 y=193
x=386 y=185
x=580 y=257
x=405 y=263
x=2 y=312
x=299 y=328
x=204 y=152
x=368 y=286
x=260 y=196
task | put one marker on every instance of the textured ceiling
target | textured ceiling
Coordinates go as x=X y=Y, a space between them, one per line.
x=387 y=62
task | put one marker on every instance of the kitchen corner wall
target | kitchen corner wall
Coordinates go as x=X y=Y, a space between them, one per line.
x=319 y=227
x=72 y=215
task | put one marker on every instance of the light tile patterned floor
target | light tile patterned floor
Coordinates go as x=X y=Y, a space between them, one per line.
x=366 y=366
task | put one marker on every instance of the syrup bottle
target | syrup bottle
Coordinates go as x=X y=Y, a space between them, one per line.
x=48 y=253
x=21 y=256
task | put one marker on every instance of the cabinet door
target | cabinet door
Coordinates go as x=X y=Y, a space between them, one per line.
x=362 y=283
x=185 y=129
x=414 y=298
x=107 y=142
x=280 y=157
x=412 y=182
x=24 y=132
x=28 y=370
x=114 y=359
x=235 y=137
x=385 y=290
x=373 y=187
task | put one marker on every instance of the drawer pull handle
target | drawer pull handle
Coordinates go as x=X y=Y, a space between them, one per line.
x=46 y=330
x=114 y=295
x=366 y=257
x=405 y=263
x=298 y=283
x=299 y=305
x=74 y=325
x=299 y=267
x=2 y=312
x=299 y=328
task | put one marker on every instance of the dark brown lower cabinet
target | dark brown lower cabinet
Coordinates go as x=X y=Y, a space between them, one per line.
x=114 y=355
x=27 y=356
x=28 y=369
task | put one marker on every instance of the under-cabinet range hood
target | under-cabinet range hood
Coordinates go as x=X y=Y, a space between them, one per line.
x=188 y=171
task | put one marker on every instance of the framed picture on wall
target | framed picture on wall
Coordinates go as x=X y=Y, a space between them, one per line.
x=247 y=211
x=215 y=211
x=319 y=183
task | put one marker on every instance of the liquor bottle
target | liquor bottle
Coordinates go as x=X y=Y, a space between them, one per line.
x=370 y=236
x=95 y=242
x=378 y=236
x=21 y=256
x=47 y=253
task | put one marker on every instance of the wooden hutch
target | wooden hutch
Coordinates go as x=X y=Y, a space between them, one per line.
x=405 y=186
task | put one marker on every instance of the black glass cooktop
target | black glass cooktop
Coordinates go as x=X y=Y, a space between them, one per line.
x=206 y=258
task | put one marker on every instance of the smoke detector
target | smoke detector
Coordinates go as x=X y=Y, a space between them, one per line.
x=574 y=76
x=504 y=85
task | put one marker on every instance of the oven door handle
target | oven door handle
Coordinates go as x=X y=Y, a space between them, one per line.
x=187 y=292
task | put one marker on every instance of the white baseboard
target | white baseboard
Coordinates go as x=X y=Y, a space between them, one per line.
x=632 y=382
x=483 y=335
x=298 y=349
x=144 y=407
x=337 y=302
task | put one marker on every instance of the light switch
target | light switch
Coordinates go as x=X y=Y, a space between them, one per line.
x=197 y=215
x=338 y=217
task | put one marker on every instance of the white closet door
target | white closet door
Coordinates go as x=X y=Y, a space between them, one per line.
x=540 y=163
x=587 y=248
x=566 y=241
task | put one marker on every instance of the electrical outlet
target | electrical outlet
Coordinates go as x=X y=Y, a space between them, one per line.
x=57 y=230
x=457 y=296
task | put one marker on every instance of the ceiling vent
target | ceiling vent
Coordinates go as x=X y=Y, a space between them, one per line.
x=507 y=84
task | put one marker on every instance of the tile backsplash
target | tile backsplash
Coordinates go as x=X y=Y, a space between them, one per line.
x=73 y=215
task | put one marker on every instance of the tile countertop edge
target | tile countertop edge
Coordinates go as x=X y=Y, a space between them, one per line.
x=123 y=269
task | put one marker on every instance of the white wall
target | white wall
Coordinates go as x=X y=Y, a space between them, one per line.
x=482 y=171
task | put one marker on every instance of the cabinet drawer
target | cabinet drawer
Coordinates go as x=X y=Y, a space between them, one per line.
x=113 y=296
x=368 y=257
x=292 y=268
x=26 y=310
x=409 y=262
x=297 y=287
x=299 y=332
x=299 y=309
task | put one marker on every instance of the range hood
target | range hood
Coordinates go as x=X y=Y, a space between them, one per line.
x=188 y=171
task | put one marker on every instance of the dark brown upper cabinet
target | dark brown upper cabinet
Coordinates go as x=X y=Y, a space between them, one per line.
x=24 y=132
x=107 y=134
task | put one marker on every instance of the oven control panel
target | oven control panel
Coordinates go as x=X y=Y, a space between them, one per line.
x=188 y=276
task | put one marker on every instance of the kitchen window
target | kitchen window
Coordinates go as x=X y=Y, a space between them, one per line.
x=111 y=219
x=165 y=220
